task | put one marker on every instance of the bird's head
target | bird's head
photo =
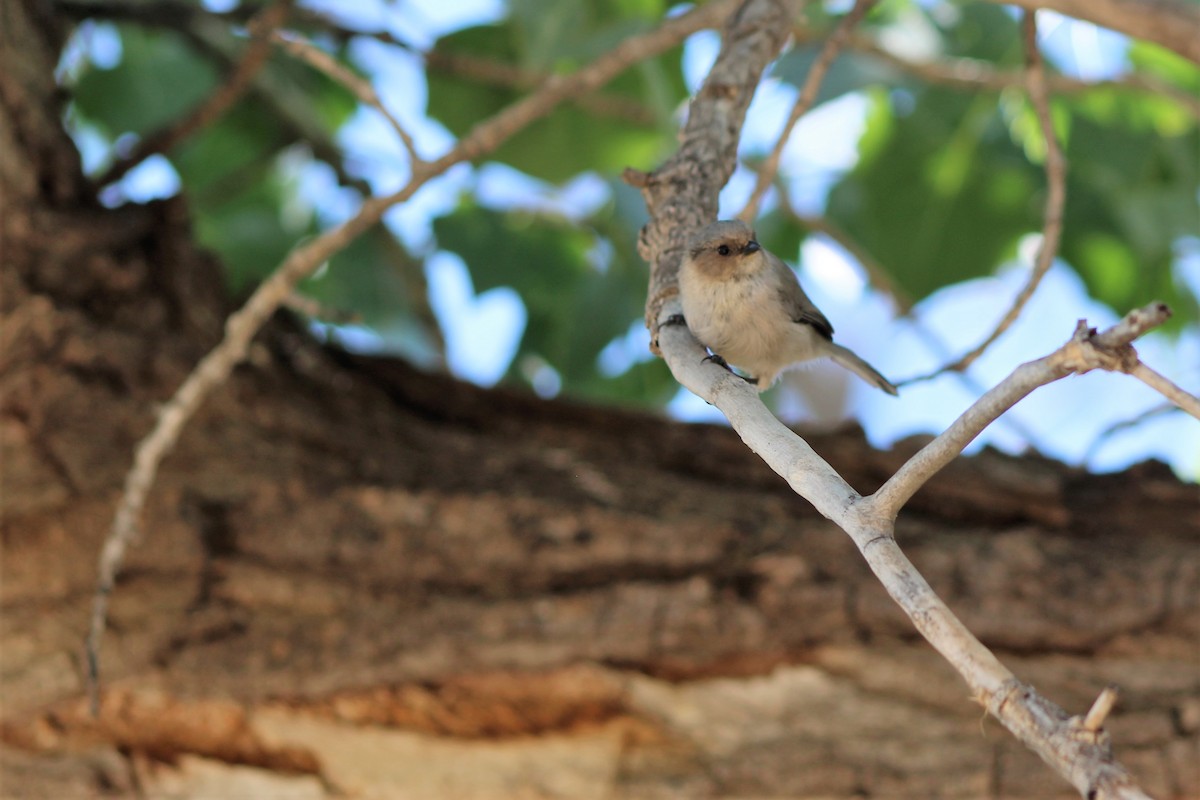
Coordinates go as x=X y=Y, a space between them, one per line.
x=725 y=249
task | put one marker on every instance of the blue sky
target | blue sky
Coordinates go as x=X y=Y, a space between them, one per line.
x=482 y=331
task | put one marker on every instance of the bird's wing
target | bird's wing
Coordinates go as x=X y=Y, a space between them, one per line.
x=799 y=307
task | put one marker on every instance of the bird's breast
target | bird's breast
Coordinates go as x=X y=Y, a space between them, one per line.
x=740 y=319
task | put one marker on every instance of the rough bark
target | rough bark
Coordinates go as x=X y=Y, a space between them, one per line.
x=358 y=578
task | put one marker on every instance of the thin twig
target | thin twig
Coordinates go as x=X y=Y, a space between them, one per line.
x=1161 y=384
x=808 y=96
x=241 y=327
x=975 y=75
x=1093 y=721
x=487 y=71
x=881 y=280
x=1052 y=214
x=1126 y=424
x=217 y=104
x=1056 y=198
x=361 y=88
x=1085 y=351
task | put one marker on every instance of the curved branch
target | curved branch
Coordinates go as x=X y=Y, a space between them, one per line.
x=1052 y=214
x=807 y=97
x=241 y=327
x=681 y=196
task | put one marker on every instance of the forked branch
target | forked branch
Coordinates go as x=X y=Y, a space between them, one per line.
x=1076 y=747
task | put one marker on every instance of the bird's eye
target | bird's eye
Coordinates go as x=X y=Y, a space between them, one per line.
x=723 y=249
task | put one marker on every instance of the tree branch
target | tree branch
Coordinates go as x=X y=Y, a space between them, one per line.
x=807 y=97
x=1085 y=351
x=218 y=103
x=681 y=197
x=1174 y=24
x=1052 y=214
x=241 y=327
x=975 y=75
x=1159 y=383
x=362 y=89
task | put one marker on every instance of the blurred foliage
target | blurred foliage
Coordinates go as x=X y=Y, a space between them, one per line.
x=948 y=180
x=634 y=129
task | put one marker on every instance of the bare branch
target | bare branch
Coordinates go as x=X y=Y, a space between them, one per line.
x=1100 y=709
x=217 y=104
x=1052 y=215
x=681 y=195
x=1085 y=351
x=1077 y=753
x=808 y=96
x=241 y=327
x=361 y=88
x=975 y=75
x=1126 y=424
x=1159 y=383
x=881 y=280
x=1133 y=325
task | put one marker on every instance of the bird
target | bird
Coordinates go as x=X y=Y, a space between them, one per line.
x=747 y=307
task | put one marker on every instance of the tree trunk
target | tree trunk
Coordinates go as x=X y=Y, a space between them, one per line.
x=357 y=578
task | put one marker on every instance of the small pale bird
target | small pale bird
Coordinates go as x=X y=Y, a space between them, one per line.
x=747 y=307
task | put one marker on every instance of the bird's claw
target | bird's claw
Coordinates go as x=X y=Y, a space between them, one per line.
x=721 y=362
x=716 y=359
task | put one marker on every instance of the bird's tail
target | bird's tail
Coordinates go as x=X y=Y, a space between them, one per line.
x=849 y=360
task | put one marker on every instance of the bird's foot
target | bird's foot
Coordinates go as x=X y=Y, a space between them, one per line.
x=716 y=359
x=721 y=362
x=669 y=322
x=674 y=319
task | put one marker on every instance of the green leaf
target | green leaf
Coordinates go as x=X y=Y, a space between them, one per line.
x=849 y=73
x=1155 y=60
x=939 y=195
x=243 y=141
x=566 y=33
x=576 y=137
x=980 y=30
x=574 y=309
x=159 y=78
x=248 y=231
x=1131 y=196
x=368 y=278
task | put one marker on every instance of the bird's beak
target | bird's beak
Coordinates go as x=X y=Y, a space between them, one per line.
x=751 y=247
